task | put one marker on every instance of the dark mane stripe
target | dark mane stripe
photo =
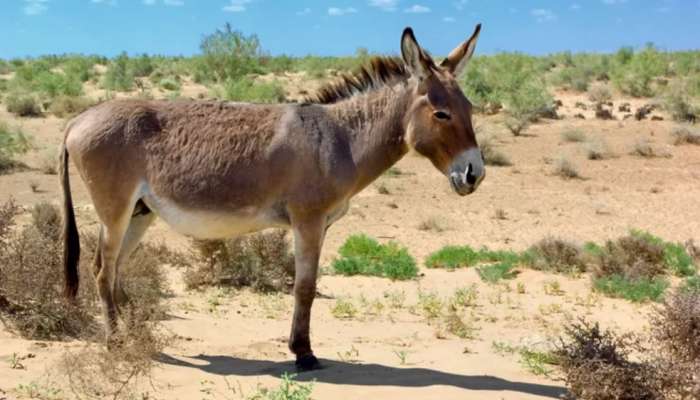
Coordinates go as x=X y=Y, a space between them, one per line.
x=378 y=72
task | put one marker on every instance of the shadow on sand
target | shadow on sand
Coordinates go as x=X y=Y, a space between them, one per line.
x=337 y=372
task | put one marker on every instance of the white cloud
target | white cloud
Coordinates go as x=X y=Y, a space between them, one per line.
x=417 y=9
x=613 y=2
x=305 y=11
x=460 y=4
x=35 y=7
x=236 y=6
x=337 y=12
x=149 y=2
x=575 y=7
x=543 y=14
x=448 y=19
x=105 y=2
x=386 y=5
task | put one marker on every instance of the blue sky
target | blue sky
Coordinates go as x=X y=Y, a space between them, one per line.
x=338 y=27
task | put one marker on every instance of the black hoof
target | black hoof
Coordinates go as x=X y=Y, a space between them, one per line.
x=307 y=362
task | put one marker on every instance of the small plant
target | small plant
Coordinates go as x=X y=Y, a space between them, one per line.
x=553 y=288
x=246 y=89
x=452 y=257
x=685 y=135
x=13 y=142
x=538 y=362
x=430 y=305
x=455 y=325
x=644 y=148
x=464 y=297
x=636 y=290
x=362 y=255
x=597 y=149
x=493 y=156
x=349 y=356
x=432 y=224
x=48 y=163
x=382 y=188
x=599 y=94
x=556 y=255
x=564 y=168
x=289 y=389
x=573 y=135
x=23 y=105
x=67 y=106
x=169 y=84
x=520 y=288
x=402 y=356
x=517 y=124
x=496 y=272
x=344 y=309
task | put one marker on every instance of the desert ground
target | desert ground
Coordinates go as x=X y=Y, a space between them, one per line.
x=227 y=343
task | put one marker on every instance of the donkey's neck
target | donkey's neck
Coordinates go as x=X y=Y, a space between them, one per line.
x=376 y=123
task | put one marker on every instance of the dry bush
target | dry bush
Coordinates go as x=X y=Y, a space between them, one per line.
x=556 y=255
x=31 y=278
x=599 y=94
x=48 y=164
x=261 y=261
x=566 y=169
x=517 y=124
x=573 y=135
x=123 y=370
x=596 y=366
x=644 y=148
x=631 y=257
x=597 y=149
x=493 y=156
x=685 y=135
x=67 y=106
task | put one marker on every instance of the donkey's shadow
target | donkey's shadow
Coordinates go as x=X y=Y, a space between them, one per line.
x=344 y=373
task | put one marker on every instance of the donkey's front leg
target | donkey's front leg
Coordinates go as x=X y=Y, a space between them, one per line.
x=308 y=239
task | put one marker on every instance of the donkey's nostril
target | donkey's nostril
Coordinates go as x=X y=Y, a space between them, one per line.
x=471 y=178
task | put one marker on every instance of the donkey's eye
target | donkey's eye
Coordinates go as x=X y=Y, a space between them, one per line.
x=442 y=115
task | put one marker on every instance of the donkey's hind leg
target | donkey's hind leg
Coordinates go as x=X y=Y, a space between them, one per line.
x=112 y=235
x=141 y=219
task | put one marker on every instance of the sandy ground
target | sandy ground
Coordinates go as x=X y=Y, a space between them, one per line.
x=395 y=352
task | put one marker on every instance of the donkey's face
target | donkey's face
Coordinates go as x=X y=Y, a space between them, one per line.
x=439 y=122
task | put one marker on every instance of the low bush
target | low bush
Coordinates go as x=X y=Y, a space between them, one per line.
x=23 y=105
x=119 y=76
x=13 y=142
x=597 y=149
x=496 y=272
x=451 y=257
x=556 y=255
x=685 y=135
x=493 y=156
x=599 y=94
x=68 y=106
x=566 y=169
x=261 y=261
x=637 y=290
x=362 y=255
x=573 y=135
x=246 y=89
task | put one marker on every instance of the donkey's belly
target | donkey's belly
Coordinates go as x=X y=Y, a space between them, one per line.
x=203 y=224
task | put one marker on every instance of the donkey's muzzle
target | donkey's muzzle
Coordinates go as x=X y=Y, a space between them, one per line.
x=467 y=171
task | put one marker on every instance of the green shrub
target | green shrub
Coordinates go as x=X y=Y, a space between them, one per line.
x=289 y=389
x=678 y=102
x=79 y=68
x=496 y=272
x=452 y=257
x=141 y=66
x=635 y=76
x=23 y=105
x=169 y=84
x=229 y=55
x=637 y=290
x=691 y=284
x=676 y=257
x=12 y=143
x=67 y=106
x=362 y=255
x=246 y=89
x=119 y=76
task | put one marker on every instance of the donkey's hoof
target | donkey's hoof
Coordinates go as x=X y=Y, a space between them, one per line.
x=307 y=362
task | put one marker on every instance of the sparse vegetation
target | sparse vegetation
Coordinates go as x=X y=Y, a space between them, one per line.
x=597 y=149
x=493 y=156
x=23 y=105
x=685 y=135
x=573 y=135
x=566 y=169
x=13 y=142
x=644 y=148
x=362 y=255
x=261 y=261
x=496 y=272
x=556 y=255
x=68 y=106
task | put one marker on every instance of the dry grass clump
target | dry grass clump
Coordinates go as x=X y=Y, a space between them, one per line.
x=644 y=148
x=31 y=275
x=573 y=135
x=597 y=149
x=566 y=169
x=685 y=135
x=66 y=106
x=632 y=257
x=556 y=255
x=31 y=278
x=493 y=156
x=599 y=94
x=601 y=365
x=261 y=261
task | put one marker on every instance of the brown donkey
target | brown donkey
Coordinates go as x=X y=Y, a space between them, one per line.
x=218 y=169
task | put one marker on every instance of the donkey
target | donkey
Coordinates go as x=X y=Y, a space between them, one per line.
x=218 y=169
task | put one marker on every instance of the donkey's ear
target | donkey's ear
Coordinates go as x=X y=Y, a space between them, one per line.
x=459 y=57
x=417 y=62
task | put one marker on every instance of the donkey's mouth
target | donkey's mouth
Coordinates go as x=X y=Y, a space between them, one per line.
x=459 y=187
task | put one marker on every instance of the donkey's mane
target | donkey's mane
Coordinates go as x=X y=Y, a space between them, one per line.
x=379 y=71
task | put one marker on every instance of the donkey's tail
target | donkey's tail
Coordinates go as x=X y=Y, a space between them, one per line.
x=71 y=239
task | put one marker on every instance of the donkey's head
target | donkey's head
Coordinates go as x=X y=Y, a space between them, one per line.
x=439 y=121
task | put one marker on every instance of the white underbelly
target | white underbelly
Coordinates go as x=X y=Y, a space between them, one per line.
x=203 y=224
